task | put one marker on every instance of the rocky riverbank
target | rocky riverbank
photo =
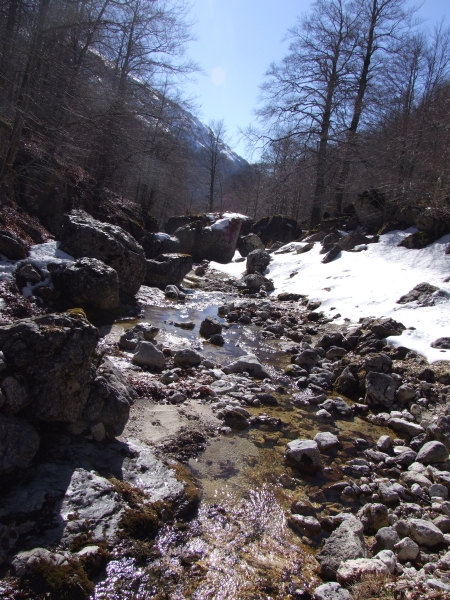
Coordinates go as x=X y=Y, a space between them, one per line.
x=214 y=439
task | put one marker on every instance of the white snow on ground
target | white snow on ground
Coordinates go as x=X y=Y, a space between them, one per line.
x=369 y=283
x=39 y=256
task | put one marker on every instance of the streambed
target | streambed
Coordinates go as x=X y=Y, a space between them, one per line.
x=240 y=545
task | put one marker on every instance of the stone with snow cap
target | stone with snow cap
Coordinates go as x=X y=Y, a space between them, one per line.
x=248 y=363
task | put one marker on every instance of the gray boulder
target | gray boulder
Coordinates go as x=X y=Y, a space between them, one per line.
x=109 y=401
x=425 y=533
x=89 y=282
x=304 y=455
x=406 y=549
x=380 y=390
x=83 y=236
x=432 y=452
x=187 y=358
x=440 y=430
x=345 y=543
x=167 y=269
x=331 y=591
x=386 y=538
x=148 y=355
x=209 y=327
x=216 y=242
x=132 y=336
x=257 y=261
x=249 y=243
x=158 y=243
x=404 y=426
x=326 y=441
x=346 y=383
x=442 y=343
x=11 y=246
x=19 y=442
x=248 y=363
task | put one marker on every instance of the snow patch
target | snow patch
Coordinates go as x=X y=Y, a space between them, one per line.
x=369 y=283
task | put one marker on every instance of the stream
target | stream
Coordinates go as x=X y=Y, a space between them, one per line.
x=240 y=545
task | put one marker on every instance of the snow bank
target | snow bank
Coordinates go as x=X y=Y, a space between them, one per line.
x=369 y=283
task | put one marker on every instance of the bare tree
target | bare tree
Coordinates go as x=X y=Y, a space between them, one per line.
x=211 y=157
x=306 y=94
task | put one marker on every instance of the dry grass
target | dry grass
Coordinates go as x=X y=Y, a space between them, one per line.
x=380 y=587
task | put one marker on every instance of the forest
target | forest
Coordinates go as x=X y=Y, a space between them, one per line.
x=91 y=95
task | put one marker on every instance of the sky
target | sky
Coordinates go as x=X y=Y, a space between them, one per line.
x=236 y=42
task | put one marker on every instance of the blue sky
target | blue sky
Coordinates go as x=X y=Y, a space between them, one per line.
x=236 y=42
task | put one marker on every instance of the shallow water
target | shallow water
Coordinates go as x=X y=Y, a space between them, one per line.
x=239 y=545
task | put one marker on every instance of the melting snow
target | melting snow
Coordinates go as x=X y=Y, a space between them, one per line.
x=368 y=284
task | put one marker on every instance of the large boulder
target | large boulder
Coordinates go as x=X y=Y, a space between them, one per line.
x=89 y=282
x=50 y=374
x=345 y=543
x=167 y=269
x=158 y=243
x=257 y=261
x=11 y=246
x=215 y=242
x=83 y=236
x=372 y=209
x=277 y=229
x=249 y=243
x=174 y=223
x=19 y=443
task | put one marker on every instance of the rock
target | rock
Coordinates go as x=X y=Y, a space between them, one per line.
x=380 y=390
x=249 y=243
x=210 y=326
x=54 y=356
x=304 y=455
x=27 y=274
x=372 y=209
x=442 y=343
x=403 y=426
x=248 y=363
x=406 y=549
x=443 y=523
x=307 y=358
x=89 y=282
x=109 y=400
x=257 y=261
x=385 y=327
x=432 y=452
x=374 y=516
x=24 y=562
x=346 y=383
x=277 y=229
x=16 y=395
x=289 y=296
x=336 y=406
x=254 y=283
x=440 y=430
x=387 y=538
x=82 y=236
x=132 y=336
x=172 y=292
x=405 y=393
x=216 y=242
x=384 y=443
x=351 y=571
x=326 y=441
x=425 y=533
x=305 y=248
x=148 y=355
x=217 y=340
x=12 y=247
x=19 y=442
x=167 y=269
x=158 y=243
x=267 y=399
x=335 y=352
x=421 y=293
x=332 y=254
x=305 y=525
x=379 y=363
x=187 y=358
x=331 y=591
x=350 y=241
x=345 y=543
x=236 y=419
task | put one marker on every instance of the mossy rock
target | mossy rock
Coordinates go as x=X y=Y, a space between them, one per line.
x=59 y=582
x=417 y=240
